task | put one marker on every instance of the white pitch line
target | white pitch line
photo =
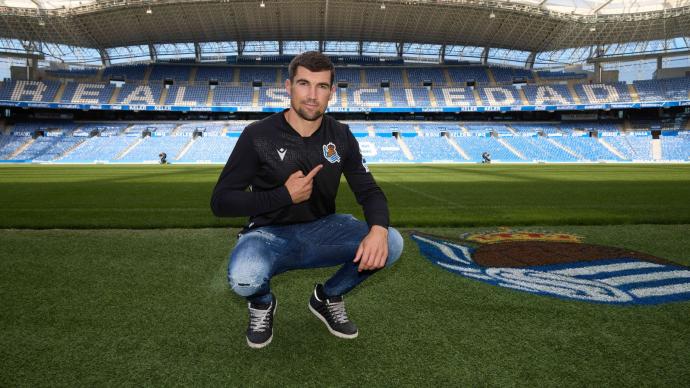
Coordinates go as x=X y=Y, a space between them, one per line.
x=663 y=290
x=595 y=269
x=647 y=277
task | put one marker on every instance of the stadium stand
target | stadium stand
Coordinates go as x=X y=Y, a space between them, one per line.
x=173 y=72
x=89 y=72
x=560 y=75
x=548 y=94
x=507 y=75
x=380 y=149
x=87 y=93
x=349 y=75
x=140 y=94
x=650 y=90
x=535 y=149
x=435 y=129
x=148 y=149
x=636 y=148
x=374 y=76
x=432 y=149
x=10 y=143
x=386 y=129
x=454 y=96
x=603 y=93
x=418 y=75
x=99 y=149
x=187 y=95
x=29 y=90
x=47 y=148
x=218 y=73
x=232 y=95
x=366 y=97
x=474 y=146
x=209 y=149
x=264 y=74
x=126 y=72
x=500 y=95
x=212 y=141
x=588 y=148
x=676 y=148
x=465 y=74
x=410 y=97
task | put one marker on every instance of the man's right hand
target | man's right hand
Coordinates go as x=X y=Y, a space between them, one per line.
x=299 y=186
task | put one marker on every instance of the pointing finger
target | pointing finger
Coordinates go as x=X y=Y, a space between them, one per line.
x=314 y=171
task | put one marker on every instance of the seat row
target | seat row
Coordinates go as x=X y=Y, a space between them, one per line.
x=205 y=95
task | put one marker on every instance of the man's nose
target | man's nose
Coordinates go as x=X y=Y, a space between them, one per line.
x=312 y=93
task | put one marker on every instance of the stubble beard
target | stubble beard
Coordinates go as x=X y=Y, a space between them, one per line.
x=306 y=116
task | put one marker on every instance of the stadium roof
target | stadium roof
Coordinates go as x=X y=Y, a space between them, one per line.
x=527 y=25
x=578 y=7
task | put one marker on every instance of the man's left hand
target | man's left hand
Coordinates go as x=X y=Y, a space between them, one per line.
x=373 y=250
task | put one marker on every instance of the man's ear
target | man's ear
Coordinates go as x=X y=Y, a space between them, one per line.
x=288 y=86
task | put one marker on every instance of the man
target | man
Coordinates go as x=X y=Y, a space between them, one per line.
x=284 y=174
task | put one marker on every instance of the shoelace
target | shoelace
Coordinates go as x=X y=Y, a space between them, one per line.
x=259 y=319
x=337 y=311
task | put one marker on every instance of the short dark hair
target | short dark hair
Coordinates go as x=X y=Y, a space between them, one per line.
x=313 y=61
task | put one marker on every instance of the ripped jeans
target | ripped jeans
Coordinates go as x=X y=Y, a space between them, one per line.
x=333 y=240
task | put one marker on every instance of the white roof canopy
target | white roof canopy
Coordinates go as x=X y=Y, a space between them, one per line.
x=576 y=7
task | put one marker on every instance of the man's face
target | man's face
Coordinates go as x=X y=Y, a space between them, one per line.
x=309 y=92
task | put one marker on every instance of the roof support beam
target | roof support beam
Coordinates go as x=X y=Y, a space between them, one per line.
x=105 y=58
x=240 y=48
x=443 y=54
x=197 y=52
x=627 y=58
x=280 y=47
x=596 y=11
x=485 y=56
x=17 y=54
x=529 y=64
x=153 y=53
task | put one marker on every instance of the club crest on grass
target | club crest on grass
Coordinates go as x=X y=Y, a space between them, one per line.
x=559 y=265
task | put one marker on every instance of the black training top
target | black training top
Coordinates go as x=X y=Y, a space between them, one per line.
x=269 y=151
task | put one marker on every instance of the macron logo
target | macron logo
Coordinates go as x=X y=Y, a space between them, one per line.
x=281 y=153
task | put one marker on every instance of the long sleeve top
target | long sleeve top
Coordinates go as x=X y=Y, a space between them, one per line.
x=268 y=151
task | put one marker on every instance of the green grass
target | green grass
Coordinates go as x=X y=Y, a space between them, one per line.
x=429 y=195
x=140 y=306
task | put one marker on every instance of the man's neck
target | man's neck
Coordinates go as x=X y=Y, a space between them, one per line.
x=305 y=128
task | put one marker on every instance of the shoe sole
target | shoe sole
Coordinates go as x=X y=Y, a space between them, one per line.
x=325 y=322
x=254 y=345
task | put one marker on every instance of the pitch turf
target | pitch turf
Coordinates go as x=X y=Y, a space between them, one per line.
x=139 y=306
x=427 y=195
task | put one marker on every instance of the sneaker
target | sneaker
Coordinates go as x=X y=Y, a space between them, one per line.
x=331 y=311
x=260 y=330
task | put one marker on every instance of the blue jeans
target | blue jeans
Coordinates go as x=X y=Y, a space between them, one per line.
x=333 y=240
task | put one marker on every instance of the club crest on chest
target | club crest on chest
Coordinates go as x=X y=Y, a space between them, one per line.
x=331 y=153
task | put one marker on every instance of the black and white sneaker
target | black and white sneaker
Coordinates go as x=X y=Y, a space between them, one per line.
x=331 y=311
x=260 y=330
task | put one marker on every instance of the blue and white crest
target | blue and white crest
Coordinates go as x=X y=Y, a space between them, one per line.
x=623 y=280
x=331 y=153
